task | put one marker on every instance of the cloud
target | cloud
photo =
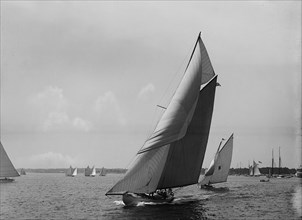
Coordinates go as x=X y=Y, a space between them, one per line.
x=55 y=119
x=52 y=108
x=51 y=98
x=108 y=109
x=82 y=124
x=52 y=160
x=146 y=91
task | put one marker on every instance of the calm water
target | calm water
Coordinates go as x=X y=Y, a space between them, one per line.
x=54 y=196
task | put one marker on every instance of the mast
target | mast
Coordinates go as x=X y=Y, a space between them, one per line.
x=279 y=162
x=253 y=167
x=222 y=139
x=272 y=161
x=239 y=168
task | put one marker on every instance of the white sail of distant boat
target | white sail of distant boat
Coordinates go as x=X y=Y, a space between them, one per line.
x=87 y=171
x=93 y=172
x=75 y=172
x=103 y=172
x=254 y=170
x=173 y=155
x=7 y=168
x=251 y=170
x=219 y=168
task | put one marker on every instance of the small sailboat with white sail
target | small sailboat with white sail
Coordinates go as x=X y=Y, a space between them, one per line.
x=218 y=170
x=172 y=156
x=93 y=172
x=75 y=172
x=254 y=169
x=71 y=171
x=7 y=169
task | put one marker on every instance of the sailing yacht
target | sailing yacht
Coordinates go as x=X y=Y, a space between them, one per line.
x=7 y=169
x=71 y=171
x=173 y=155
x=93 y=172
x=87 y=171
x=254 y=169
x=75 y=172
x=219 y=167
x=103 y=172
x=299 y=172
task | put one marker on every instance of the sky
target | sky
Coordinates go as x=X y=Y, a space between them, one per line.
x=80 y=80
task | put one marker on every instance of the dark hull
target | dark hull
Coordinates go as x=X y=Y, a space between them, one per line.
x=132 y=199
x=6 y=180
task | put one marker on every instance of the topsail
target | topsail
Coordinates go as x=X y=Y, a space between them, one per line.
x=173 y=155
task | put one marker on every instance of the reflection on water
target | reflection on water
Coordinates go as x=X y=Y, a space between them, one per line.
x=216 y=189
x=297 y=200
x=54 y=196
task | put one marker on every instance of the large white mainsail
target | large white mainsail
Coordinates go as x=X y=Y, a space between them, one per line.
x=173 y=155
x=7 y=169
x=219 y=168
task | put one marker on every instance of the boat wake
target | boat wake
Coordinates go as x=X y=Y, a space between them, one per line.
x=177 y=201
x=119 y=202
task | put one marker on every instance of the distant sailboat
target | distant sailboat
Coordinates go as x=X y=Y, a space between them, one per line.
x=7 y=169
x=173 y=155
x=71 y=171
x=87 y=171
x=254 y=170
x=299 y=172
x=22 y=172
x=219 y=168
x=272 y=172
x=103 y=172
x=93 y=172
x=75 y=172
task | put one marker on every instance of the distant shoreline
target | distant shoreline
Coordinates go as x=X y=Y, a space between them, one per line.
x=233 y=171
x=63 y=170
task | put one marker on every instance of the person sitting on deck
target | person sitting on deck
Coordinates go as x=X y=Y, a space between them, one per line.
x=170 y=192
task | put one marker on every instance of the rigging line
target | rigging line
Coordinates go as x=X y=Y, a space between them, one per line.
x=178 y=72
x=190 y=51
x=155 y=113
